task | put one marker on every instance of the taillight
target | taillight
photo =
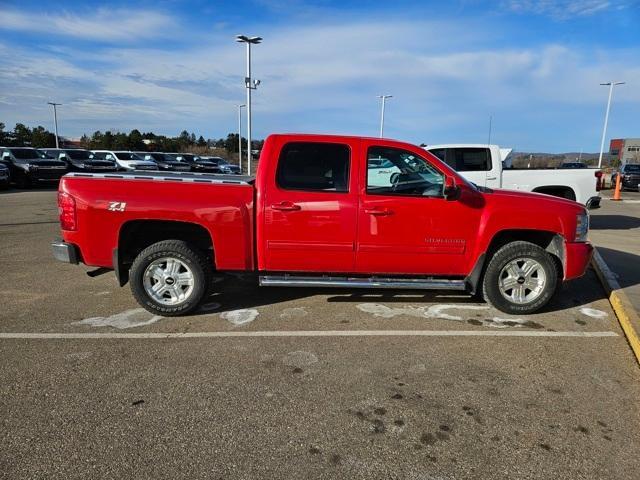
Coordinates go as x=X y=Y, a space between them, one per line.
x=599 y=180
x=67 y=211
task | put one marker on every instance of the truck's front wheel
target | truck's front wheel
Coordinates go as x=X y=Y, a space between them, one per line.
x=521 y=278
x=170 y=278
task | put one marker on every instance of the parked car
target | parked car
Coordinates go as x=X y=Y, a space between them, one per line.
x=629 y=176
x=28 y=167
x=5 y=176
x=573 y=165
x=79 y=160
x=312 y=218
x=165 y=161
x=489 y=166
x=223 y=165
x=197 y=164
x=124 y=160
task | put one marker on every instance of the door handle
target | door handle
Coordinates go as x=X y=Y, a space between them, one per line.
x=492 y=178
x=381 y=212
x=286 y=207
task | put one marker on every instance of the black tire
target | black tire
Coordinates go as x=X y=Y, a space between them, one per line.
x=187 y=254
x=508 y=253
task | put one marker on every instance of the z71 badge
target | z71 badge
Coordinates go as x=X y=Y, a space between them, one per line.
x=117 y=206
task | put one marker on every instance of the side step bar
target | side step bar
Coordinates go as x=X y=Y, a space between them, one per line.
x=355 y=282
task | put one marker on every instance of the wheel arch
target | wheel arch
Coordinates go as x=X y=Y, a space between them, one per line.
x=562 y=191
x=136 y=235
x=551 y=242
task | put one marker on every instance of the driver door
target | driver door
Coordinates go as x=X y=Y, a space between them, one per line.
x=405 y=225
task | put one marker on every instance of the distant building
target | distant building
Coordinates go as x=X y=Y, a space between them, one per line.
x=627 y=150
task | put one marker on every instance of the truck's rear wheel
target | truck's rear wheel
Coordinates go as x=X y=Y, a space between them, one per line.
x=170 y=278
x=521 y=278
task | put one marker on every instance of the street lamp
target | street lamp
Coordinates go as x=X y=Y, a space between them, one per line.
x=55 y=119
x=606 y=118
x=250 y=85
x=240 y=136
x=384 y=99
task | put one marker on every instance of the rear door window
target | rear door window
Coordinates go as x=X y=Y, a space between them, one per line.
x=314 y=166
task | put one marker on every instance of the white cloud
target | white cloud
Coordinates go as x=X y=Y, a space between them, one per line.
x=320 y=77
x=110 y=25
x=563 y=9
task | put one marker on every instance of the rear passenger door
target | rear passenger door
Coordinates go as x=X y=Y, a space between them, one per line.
x=310 y=208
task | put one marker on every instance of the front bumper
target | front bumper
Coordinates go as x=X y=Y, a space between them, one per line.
x=632 y=183
x=46 y=174
x=577 y=258
x=65 y=252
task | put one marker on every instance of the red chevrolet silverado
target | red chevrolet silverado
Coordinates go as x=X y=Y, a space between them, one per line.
x=323 y=211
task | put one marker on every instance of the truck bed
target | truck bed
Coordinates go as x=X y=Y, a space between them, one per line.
x=112 y=203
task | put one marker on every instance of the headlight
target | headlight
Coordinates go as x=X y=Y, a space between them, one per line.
x=582 y=227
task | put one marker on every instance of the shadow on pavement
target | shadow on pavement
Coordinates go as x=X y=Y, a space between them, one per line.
x=36 y=188
x=614 y=222
x=624 y=264
x=235 y=293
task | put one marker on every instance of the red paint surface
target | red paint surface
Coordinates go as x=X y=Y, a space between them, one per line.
x=352 y=232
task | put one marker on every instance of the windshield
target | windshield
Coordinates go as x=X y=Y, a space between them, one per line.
x=27 y=153
x=160 y=157
x=127 y=156
x=78 y=154
x=632 y=168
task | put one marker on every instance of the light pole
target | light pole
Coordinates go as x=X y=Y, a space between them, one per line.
x=606 y=118
x=384 y=100
x=55 y=119
x=250 y=85
x=240 y=136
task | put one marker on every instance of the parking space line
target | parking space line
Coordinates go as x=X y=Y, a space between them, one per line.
x=306 y=333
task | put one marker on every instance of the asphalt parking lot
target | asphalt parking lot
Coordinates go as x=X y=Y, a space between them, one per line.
x=295 y=383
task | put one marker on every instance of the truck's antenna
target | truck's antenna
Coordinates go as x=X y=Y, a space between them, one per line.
x=490 y=121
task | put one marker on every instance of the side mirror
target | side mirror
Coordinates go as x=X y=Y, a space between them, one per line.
x=5 y=155
x=451 y=189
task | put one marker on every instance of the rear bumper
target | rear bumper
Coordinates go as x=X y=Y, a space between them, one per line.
x=578 y=256
x=65 y=252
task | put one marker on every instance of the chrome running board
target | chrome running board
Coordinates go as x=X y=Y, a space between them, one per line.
x=356 y=282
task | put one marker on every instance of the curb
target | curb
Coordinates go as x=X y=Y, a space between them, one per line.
x=624 y=310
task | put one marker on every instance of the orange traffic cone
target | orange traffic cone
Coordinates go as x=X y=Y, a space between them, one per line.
x=616 y=193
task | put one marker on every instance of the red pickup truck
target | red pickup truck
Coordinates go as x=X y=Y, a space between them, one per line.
x=323 y=211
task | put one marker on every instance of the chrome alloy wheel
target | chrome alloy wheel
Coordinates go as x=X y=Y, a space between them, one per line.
x=168 y=281
x=522 y=280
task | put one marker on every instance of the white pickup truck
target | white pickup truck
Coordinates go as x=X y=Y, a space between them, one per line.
x=488 y=166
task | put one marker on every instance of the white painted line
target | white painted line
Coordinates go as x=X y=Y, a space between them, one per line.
x=308 y=333
x=626 y=201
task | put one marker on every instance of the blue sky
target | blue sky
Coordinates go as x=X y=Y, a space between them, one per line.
x=164 y=66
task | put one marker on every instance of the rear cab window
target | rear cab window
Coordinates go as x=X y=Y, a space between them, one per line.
x=314 y=166
x=465 y=159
